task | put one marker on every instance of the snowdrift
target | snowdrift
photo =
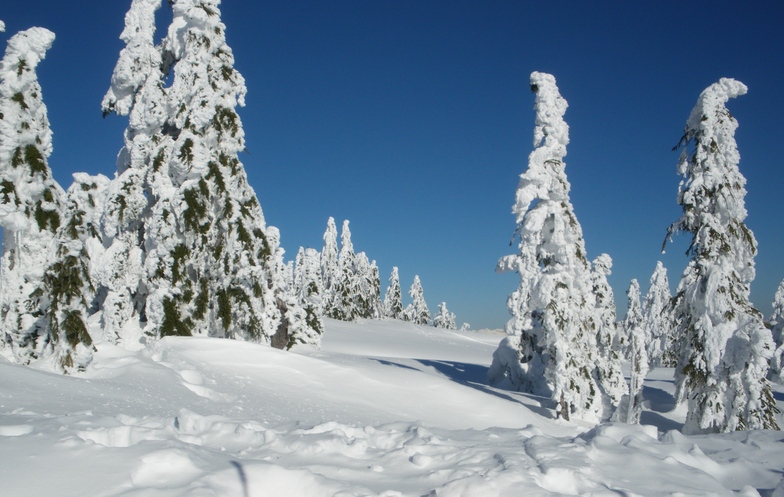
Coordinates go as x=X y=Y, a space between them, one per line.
x=385 y=408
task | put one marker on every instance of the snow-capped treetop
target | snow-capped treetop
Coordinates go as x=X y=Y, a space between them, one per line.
x=138 y=60
x=656 y=319
x=346 y=247
x=329 y=255
x=551 y=135
x=29 y=193
x=2 y=27
x=712 y=191
x=393 y=299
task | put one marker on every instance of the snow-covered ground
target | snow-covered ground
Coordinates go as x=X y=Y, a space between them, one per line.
x=384 y=408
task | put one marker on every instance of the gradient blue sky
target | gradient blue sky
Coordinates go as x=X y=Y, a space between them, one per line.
x=414 y=119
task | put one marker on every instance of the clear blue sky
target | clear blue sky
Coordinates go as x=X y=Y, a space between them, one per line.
x=413 y=119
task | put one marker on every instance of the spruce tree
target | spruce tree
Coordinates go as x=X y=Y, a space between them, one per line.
x=307 y=284
x=345 y=285
x=31 y=202
x=444 y=318
x=68 y=289
x=633 y=327
x=551 y=350
x=208 y=263
x=724 y=344
x=393 y=299
x=657 y=321
x=137 y=90
x=329 y=264
x=417 y=311
x=608 y=367
x=777 y=329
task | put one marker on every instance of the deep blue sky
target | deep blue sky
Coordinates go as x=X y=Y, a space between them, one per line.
x=413 y=119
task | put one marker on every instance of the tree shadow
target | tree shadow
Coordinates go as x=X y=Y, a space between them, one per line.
x=475 y=376
x=243 y=477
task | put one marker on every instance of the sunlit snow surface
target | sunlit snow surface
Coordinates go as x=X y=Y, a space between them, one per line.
x=384 y=408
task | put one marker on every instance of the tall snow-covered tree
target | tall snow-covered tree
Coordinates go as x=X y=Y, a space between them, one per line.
x=444 y=318
x=724 y=344
x=609 y=364
x=307 y=284
x=633 y=327
x=417 y=311
x=777 y=329
x=68 y=291
x=393 y=299
x=208 y=258
x=137 y=91
x=656 y=320
x=551 y=350
x=329 y=263
x=367 y=301
x=31 y=202
x=344 y=287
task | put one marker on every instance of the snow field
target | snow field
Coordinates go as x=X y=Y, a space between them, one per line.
x=212 y=417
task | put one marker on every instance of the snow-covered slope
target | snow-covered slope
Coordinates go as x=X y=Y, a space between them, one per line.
x=384 y=408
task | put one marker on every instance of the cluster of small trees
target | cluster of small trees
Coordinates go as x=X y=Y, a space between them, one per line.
x=176 y=243
x=345 y=285
x=563 y=340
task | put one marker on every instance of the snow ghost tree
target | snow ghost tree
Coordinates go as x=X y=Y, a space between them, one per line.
x=777 y=329
x=393 y=299
x=551 y=350
x=609 y=363
x=633 y=327
x=344 y=287
x=31 y=202
x=444 y=318
x=136 y=91
x=207 y=264
x=68 y=283
x=307 y=286
x=724 y=345
x=367 y=301
x=329 y=264
x=417 y=311
x=656 y=320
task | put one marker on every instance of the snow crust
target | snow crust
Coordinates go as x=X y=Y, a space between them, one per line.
x=385 y=408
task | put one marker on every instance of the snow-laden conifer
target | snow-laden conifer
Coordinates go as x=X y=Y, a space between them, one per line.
x=393 y=299
x=136 y=91
x=551 y=350
x=777 y=329
x=610 y=358
x=307 y=285
x=633 y=327
x=368 y=297
x=657 y=321
x=444 y=319
x=329 y=264
x=68 y=291
x=294 y=324
x=31 y=202
x=417 y=311
x=208 y=258
x=724 y=345
x=344 y=286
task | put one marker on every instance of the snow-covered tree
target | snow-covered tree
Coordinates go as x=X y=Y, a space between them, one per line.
x=551 y=350
x=31 y=202
x=295 y=325
x=137 y=91
x=444 y=318
x=367 y=301
x=344 y=288
x=657 y=321
x=208 y=262
x=307 y=285
x=777 y=329
x=393 y=299
x=609 y=364
x=724 y=344
x=329 y=264
x=417 y=311
x=633 y=327
x=68 y=290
